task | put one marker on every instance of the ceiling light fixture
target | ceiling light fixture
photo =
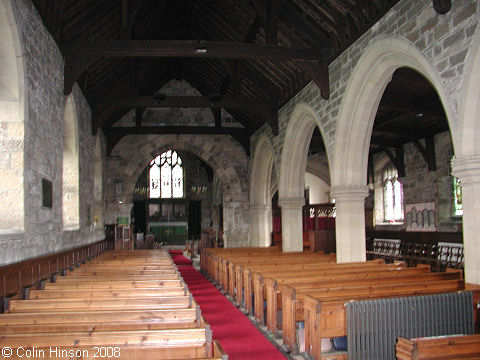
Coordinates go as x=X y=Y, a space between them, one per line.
x=201 y=50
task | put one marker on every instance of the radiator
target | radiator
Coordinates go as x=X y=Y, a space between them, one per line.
x=374 y=325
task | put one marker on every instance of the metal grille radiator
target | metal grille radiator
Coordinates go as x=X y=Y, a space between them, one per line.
x=374 y=325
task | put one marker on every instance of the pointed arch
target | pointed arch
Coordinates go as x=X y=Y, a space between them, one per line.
x=293 y=164
x=355 y=121
x=12 y=117
x=70 y=169
x=469 y=108
x=360 y=102
x=260 y=193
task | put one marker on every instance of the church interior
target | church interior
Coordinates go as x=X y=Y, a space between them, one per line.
x=258 y=179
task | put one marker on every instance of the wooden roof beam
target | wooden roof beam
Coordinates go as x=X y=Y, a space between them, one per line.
x=104 y=108
x=115 y=134
x=79 y=56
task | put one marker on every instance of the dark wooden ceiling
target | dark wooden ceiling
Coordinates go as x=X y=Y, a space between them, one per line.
x=250 y=85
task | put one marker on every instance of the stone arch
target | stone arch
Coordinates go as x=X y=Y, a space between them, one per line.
x=12 y=117
x=466 y=164
x=293 y=164
x=469 y=107
x=98 y=184
x=71 y=183
x=216 y=155
x=260 y=193
x=354 y=128
x=360 y=102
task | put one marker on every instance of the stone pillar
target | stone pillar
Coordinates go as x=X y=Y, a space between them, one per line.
x=350 y=222
x=292 y=229
x=467 y=169
x=260 y=219
x=235 y=224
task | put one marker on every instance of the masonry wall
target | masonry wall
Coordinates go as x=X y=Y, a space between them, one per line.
x=44 y=146
x=222 y=153
x=443 y=39
x=421 y=186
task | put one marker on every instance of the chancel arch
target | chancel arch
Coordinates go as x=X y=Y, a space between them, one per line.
x=293 y=164
x=230 y=166
x=261 y=193
x=355 y=122
x=71 y=208
x=12 y=118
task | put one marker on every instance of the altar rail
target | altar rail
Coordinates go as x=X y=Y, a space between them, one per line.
x=33 y=272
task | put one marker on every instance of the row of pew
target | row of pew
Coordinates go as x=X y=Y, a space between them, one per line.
x=122 y=304
x=312 y=288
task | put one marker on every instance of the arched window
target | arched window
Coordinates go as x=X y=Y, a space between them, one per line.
x=392 y=195
x=166 y=176
x=457 y=197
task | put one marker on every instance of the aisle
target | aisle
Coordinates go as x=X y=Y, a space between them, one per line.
x=240 y=339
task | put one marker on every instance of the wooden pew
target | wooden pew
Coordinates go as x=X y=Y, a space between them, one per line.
x=245 y=274
x=105 y=320
x=132 y=345
x=439 y=348
x=87 y=310
x=273 y=286
x=325 y=315
x=124 y=284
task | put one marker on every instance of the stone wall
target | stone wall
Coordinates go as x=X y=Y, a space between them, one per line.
x=44 y=146
x=443 y=39
x=420 y=185
x=221 y=152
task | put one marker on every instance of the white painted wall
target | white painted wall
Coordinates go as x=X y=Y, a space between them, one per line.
x=319 y=189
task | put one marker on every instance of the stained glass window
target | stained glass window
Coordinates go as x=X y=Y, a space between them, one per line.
x=457 y=197
x=166 y=176
x=392 y=195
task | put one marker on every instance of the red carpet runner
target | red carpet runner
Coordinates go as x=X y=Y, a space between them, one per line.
x=240 y=339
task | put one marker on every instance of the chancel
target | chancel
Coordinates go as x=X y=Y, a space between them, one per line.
x=301 y=161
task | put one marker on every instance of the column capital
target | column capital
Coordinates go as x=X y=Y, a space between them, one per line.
x=353 y=192
x=256 y=207
x=467 y=168
x=291 y=203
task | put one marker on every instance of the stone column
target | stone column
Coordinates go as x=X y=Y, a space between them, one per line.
x=292 y=229
x=467 y=169
x=350 y=222
x=260 y=219
x=235 y=224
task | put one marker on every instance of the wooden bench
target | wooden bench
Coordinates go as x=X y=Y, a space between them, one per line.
x=246 y=277
x=439 y=348
x=105 y=320
x=324 y=312
x=132 y=345
x=273 y=286
x=139 y=315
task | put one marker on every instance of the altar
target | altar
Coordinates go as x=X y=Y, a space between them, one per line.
x=169 y=232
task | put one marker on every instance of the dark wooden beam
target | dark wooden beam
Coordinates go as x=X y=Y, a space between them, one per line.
x=139 y=116
x=79 y=56
x=427 y=151
x=271 y=117
x=267 y=11
x=115 y=134
x=103 y=108
x=318 y=71
x=398 y=159
x=160 y=100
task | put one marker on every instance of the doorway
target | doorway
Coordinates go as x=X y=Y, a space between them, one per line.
x=194 y=219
